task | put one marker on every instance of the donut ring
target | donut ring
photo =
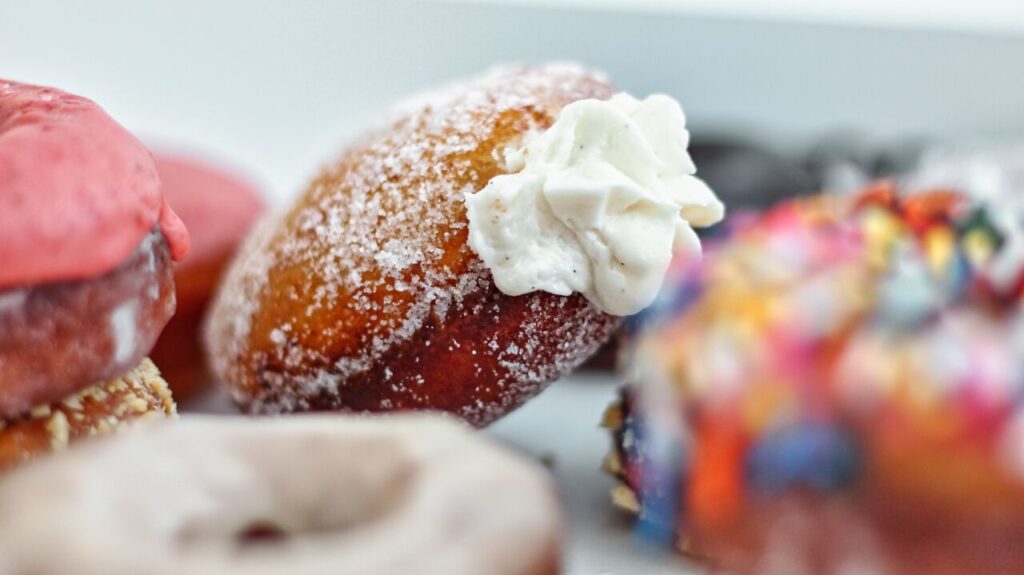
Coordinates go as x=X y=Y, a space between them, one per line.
x=138 y=394
x=366 y=296
x=59 y=338
x=301 y=495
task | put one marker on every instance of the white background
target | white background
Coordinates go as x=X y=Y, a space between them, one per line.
x=979 y=15
x=278 y=86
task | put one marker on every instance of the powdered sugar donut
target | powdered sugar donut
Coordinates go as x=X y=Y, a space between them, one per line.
x=480 y=246
x=303 y=495
x=366 y=296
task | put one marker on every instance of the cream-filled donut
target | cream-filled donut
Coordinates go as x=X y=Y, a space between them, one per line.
x=481 y=245
x=303 y=495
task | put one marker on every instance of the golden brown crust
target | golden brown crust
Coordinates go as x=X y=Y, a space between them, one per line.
x=99 y=409
x=365 y=295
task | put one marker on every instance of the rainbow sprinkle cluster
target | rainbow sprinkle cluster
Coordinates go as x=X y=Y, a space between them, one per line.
x=871 y=346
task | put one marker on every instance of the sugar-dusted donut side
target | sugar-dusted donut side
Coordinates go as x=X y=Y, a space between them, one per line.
x=365 y=295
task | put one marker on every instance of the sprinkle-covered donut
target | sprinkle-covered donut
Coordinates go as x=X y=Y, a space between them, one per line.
x=838 y=387
x=302 y=495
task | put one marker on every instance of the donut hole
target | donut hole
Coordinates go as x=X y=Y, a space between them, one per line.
x=295 y=490
x=261 y=532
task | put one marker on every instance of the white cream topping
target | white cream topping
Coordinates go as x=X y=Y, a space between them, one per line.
x=122 y=330
x=12 y=299
x=598 y=204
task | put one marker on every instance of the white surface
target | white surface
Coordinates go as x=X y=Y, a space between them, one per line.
x=562 y=423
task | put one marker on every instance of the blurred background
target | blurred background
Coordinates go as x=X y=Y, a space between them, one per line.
x=782 y=97
x=277 y=87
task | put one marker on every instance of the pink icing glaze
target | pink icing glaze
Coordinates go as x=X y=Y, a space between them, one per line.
x=77 y=191
x=217 y=206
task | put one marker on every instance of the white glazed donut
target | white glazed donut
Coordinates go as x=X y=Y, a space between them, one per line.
x=391 y=495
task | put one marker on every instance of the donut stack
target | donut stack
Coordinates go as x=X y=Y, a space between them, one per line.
x=86 y=285
x=836 y=387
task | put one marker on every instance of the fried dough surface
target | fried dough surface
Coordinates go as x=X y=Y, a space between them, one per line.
x=99 y=409
x=366 y=296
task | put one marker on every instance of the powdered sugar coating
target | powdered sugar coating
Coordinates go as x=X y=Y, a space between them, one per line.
x=366 y=296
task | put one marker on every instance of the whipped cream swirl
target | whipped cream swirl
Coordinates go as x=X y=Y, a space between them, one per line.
x=597 y=204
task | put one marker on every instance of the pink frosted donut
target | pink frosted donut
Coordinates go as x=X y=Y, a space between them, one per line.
x=78 y=191
x=86 y=243
x=301 y=495
x=218 y=207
